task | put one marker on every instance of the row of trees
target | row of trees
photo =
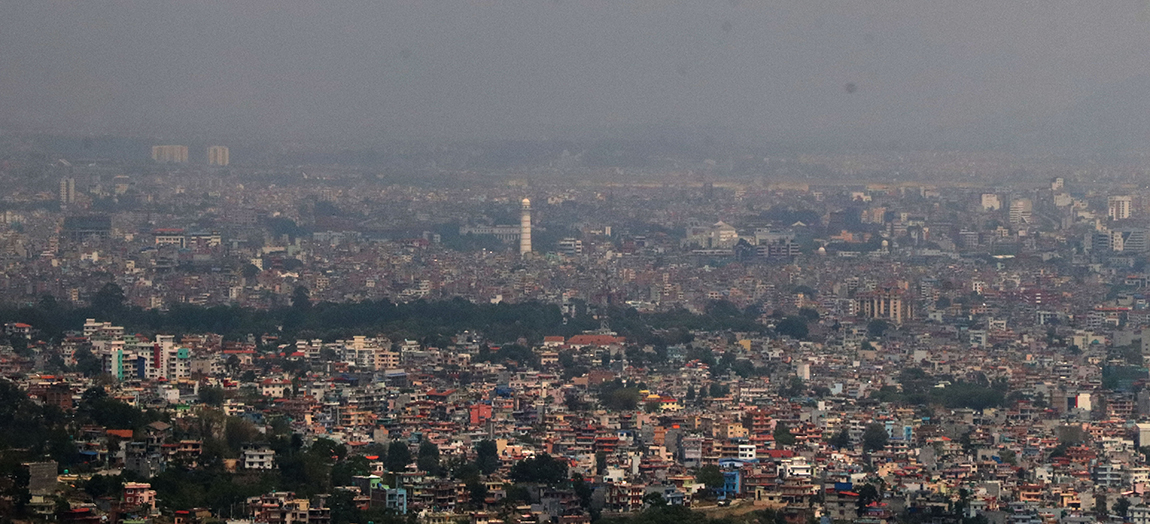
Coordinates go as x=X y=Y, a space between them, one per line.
x=659 y=513
x=919 y=388
x=433 y=321
x=874 y=438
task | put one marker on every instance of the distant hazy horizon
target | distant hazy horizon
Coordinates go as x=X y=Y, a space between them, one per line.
x=1026 y=74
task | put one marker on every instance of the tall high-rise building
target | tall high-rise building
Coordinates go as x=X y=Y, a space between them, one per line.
x=1128 y=240
x=218 y=156
x=1020 y=210
x=170 y=154
x=1118 y=207
x=67 y=191
x=525 y=228
x=887 y=304
x=990 y=202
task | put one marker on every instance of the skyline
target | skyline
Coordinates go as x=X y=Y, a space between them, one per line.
x=1025 y=75
x=575 y=262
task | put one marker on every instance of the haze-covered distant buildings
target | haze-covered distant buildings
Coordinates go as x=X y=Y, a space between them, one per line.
x=170 y=154
x=922 y=338
x=218 y=156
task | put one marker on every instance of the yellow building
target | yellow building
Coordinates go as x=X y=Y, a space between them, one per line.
x=887 y=304
x=170 y=154
x=730 y=430
x=218 y=156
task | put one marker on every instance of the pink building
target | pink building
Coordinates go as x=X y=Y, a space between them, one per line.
x=139 y=494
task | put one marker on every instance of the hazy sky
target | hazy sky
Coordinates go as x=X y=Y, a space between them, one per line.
x=336 y=70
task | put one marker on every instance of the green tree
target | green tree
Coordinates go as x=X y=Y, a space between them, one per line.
x=328 y=448
x=711 y=477
x=794 y=327
x=478 y=493
x=87 y=363
x=517 y=494
x=99 y=486
x=583 y=490
x=874 y=437
x=969 y=395
x=97 y=406
x=487 y=457
x=1100 y=506
x=877 y=328
x=250 y=271
x=783 y=436
x=109 y=298
x=868 y=494
x=841 y=440
x=19 y=345
x=428 y=457
x=38 y=429
x=614 y=396
x=47 y=304
x=212 y=396
x=398 y=456
x=239 y=432
x=654 y=498
x=915 y=381
x=1122 y=506
x=343 y=508
x=1070 y=435
x=960 y=506
x=794 y=388
x=543 y=469
x=301 y=298
x=14 y=489
x=514 y=354
x=62 y=506
x=623 y=399
x=343 y=472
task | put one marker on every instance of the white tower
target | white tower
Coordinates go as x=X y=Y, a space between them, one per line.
x=525 y=228
x=67 y=191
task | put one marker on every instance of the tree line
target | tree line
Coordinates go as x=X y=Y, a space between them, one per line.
x=427 y=321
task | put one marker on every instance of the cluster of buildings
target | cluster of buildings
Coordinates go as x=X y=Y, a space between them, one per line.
x=167 y=239
x=786 y=421
x=218 y=156
x=970 y=348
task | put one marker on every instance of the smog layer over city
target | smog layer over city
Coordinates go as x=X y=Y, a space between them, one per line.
x=574 y=262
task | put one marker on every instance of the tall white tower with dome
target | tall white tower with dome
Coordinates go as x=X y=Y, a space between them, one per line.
x=525 y=228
